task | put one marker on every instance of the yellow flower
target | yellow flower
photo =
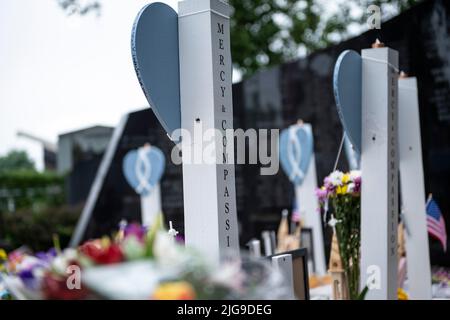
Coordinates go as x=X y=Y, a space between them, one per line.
x=401 y=294
x=3 y=255
x=105 y=242
x=180 y=290
x=341 y=189
x=346 y=178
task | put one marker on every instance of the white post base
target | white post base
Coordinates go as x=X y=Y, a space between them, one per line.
x=308 y=204
x=151 y=206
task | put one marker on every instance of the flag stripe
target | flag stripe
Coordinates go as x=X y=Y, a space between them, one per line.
x=436 y=223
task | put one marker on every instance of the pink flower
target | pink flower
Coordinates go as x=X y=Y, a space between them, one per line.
x=328 y=185
x=357 y=182
x=321 y=194
x=135 y=230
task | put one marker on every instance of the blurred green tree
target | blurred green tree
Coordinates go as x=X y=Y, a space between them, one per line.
x=269 y=32
x=16 y=160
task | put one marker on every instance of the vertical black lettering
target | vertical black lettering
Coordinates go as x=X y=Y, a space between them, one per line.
x=220 y=27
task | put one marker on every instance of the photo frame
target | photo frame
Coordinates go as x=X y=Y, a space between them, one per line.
x=306 y=241
x=299 y=270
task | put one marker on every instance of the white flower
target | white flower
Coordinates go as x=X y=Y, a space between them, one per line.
x=336 y=178
x=167 y=251
x=350 y=187
x=70 y=254
x=62 y=261
x=355 y=174
x=27 y=263
x=59 y=265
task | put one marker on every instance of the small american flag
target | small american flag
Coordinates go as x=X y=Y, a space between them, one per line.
x=436 y=223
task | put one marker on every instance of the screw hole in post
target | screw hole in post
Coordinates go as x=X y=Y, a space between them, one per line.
x=374 y=138
x=197 y=120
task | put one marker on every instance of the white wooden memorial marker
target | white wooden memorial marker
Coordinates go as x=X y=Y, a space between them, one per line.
x=143 y=169
x=412 y=186
x=366 y=92
x=298 y=162
x=183 y=63
x=413 y=191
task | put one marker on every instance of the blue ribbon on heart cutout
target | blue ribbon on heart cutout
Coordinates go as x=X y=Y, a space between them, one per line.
x=353 y=157
x=347 y=86
x=143 y=169
x=154 y=47
x=296 y=149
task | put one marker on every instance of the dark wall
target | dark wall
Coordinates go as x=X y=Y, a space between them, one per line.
x=303 y=89
x=277 y=97
x=117 y=200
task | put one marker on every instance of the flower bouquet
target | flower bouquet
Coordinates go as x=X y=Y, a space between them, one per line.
x=137 y=263
x=339 y=198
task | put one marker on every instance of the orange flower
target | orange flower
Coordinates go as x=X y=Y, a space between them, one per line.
x=180 y=290
x=401 y=294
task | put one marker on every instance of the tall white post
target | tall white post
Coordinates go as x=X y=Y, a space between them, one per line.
x=206 y=103
x=413 y=191
x=151 y=206
x=308 y=204
x=379 y=164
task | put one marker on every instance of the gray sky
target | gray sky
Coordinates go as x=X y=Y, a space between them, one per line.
x=60 y=73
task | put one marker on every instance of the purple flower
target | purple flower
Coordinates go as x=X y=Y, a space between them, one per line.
x=179 y=238
x=135 y=230
x=357 y=182
x=328 y=185
x=321 y=194
x=28 y=279
x=47 y=257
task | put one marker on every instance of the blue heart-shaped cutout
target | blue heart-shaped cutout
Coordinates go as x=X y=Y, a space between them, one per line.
x=347 y=87
x=353 y=157
x=296 y=149
x=154 y=46
x=143 y=168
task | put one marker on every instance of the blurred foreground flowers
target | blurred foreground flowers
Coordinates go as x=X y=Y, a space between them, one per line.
x=136 y=263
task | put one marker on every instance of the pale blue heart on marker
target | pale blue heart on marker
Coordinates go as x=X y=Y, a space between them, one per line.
x=154 y=46
x=347 y=87
x=296 y=149
x=353 y=156
x=143 y=169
